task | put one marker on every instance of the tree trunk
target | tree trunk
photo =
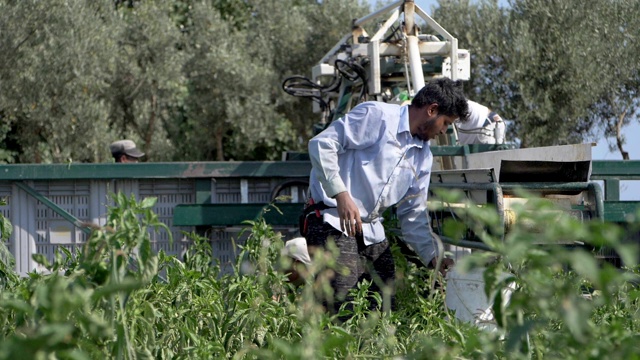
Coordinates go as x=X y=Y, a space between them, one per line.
x=152 y=119
x=619 y=142
x=219 y=148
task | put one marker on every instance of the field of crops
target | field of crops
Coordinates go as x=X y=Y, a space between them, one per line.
x=118 y=299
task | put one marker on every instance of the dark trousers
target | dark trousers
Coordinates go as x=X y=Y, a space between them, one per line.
x=374 y=263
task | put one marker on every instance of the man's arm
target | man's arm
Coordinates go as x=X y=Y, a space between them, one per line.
x=354 y=131
x=324 y=149
x=415 y=225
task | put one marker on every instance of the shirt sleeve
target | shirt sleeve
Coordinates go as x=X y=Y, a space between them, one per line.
x=414 y=220
x=355 y=130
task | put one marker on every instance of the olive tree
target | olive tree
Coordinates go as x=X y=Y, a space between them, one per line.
x=615 y=53
x=562 y=71
x=52 y=68
x=551 y=63
x=481 y=28
x=146 y=82
x=235 y=71
x=185 y=79
x=80 y=74
x=228 y=110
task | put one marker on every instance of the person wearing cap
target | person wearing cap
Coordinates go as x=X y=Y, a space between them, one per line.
x=375 y=157
x=296 y=249
x=483 y=126
x=125 y=151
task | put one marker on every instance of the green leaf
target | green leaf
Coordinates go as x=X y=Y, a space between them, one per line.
x=6 y=229
x=41 y=259
x=518 y=335
x=148 y=202
x=126 y=285
x=628 y=253
x=585 y=264
x=575 y=318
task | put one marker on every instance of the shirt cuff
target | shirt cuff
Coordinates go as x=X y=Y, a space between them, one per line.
x=333 y=188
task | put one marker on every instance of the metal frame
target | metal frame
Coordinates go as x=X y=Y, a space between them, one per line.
x=612 y=172
x=241 y=169
x=411 y=51
x=60 y=211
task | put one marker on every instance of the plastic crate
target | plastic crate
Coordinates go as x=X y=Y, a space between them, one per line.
x=40 y=229
x=51 y=229
x=169 y=193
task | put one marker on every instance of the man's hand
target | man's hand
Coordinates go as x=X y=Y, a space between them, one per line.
x=350 y=221
x=444 y=266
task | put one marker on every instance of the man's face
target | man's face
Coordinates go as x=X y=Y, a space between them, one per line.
x=432 y=123
x=128 y=159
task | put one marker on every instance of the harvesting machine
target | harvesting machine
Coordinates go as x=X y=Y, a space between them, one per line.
x=390 y=63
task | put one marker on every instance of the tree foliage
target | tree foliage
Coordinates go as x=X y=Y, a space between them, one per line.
x=193 y=80
x=185 y=79
x=561 y=70
x=52 y=69
x=618 y=58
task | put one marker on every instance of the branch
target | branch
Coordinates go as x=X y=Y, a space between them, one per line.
x=619 y=139
x=14 y=53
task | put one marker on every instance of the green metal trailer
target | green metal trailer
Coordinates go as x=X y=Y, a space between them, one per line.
x=50 y=205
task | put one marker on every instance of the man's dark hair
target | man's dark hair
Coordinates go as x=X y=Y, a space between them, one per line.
x=448 y=94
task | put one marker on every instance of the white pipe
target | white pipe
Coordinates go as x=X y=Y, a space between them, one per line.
x=433 y=24
x=454 y=59
x=426 y=48
x=415 y=63
x=409 y=21
x=387 y=24
x=384 y=10
x=375 y=87
x=453 y=54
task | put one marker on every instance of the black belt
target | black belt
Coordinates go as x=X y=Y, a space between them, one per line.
x=313 y=208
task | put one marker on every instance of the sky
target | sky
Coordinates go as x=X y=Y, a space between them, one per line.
x=629 y=190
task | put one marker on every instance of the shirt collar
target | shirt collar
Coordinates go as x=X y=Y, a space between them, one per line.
x=404 y=120
x=404 y=127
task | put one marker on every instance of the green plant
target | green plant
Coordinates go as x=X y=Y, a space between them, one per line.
x=116 y=299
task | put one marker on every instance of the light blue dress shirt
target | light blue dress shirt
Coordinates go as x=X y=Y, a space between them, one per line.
x=371 y=154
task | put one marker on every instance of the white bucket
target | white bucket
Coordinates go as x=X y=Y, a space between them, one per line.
x=465 y=295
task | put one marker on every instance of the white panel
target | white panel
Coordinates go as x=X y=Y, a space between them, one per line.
x=464 y=66
x=60 y=232
x=244 y=191
x=52 y=230
x=23 y=219
x=98 y=200
x=5 y=194
x=127 y=187
x=39 y=229
x=493 y=159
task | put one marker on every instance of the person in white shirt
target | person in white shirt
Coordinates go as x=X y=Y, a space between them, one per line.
x=375 y=157
x=482 y=126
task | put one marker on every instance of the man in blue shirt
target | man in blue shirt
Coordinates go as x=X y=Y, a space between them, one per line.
x=375 y=157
